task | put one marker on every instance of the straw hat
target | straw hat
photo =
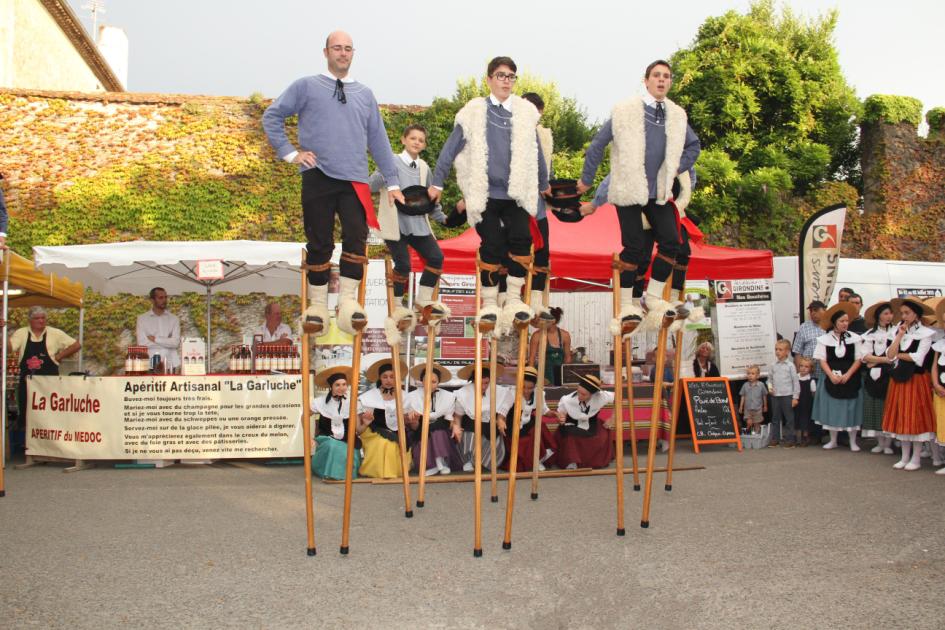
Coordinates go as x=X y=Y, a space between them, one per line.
x=828 y=318
x=374 y=371
x=467 y=371
x=870 y=314
x=324 y=378
x=937 y=304
x=590 y=382
x=442 y=373
x=915 y=302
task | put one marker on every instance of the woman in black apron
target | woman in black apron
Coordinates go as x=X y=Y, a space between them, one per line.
x=880 y=319
x=838 y=403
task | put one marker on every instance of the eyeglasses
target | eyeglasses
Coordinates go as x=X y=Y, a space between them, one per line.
x=339 y=92
x=338 y=48
x=502 y=76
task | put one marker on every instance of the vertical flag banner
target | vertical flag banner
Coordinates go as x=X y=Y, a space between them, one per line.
x=818 y=255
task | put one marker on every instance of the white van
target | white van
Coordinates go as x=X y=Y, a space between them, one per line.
x=875 y=280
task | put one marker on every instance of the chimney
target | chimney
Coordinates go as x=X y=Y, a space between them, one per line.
x=113 y=44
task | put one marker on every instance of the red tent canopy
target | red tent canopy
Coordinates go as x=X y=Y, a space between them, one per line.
x=584 y=250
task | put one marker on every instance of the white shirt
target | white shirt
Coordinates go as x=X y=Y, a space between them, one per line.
x=503 y=104
x=165 y=329
x=407 y=159
x=282 y=330
x=529 y=407
x=582 y=414
x=649 y=100
x=441 y=403
x=832 y=340
x=466 y=401
x=374 y=399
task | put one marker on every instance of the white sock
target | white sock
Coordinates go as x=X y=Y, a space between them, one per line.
x=936 y=453
x=906 y=451
x=916 y=462
x=833 y=437
x=853 y=445
x=318 y=295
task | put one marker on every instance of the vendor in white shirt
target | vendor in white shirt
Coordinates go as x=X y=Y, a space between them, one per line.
x=159 y=330
x=274 y=331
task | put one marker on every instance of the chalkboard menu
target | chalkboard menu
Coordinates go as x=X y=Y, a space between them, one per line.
x=711 y=411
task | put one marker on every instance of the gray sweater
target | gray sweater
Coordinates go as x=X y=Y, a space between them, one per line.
x=655 y=151
x=338 y=133
x=406 y=177
x=499 y=141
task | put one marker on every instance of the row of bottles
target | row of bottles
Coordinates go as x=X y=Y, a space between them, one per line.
x=136 y=361
x=284 y=358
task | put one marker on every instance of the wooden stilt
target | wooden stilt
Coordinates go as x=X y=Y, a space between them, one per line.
x=628 y=354
x=657 y=406
x=513 y=423
x=307 y=419
x=493 y=378
x=618 y=395
x=398 y=393
x=674 y=410
x=540 y=393
x=477 y=431
x=352 y=418
x=425 y=424
x=546 y=474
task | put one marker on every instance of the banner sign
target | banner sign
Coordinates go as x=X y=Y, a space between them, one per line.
x=744 y=324
x=164 y=417
x=819 y=255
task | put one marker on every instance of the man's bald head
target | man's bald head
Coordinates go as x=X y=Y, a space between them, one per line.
x=339 y=51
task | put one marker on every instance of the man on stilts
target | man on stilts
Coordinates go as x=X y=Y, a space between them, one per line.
x=501 y=172
x=338 y=119
x=652 y=145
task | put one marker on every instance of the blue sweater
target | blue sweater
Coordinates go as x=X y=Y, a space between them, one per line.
x=655 y=151
x=499 y=142
x=337 y=133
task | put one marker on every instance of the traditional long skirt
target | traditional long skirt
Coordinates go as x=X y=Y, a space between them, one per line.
x=467 y=447
x=938 y=404
x=381 y=456
x=439 y=444
x=836 y=414
x=872 y=414
x=909 y=415
x=330 y=456
x=526 y=444
x=583 y=448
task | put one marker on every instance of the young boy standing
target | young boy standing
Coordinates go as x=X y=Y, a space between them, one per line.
x=786 y=390
x=754 y=400
x=501 y=172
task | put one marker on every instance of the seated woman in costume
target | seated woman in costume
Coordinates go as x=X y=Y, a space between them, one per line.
x=527 y=421
x=380 y=432
x=331 y=443
x=584 y=441
x=464 y=425
x=442 y=454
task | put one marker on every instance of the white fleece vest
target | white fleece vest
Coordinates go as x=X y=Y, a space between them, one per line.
x=628 y=185
x=387 y=212
x=472 y=162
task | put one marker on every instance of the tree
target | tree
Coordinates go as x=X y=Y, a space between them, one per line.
x=765 y=90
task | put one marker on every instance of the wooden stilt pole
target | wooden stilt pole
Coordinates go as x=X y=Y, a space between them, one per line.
x=628 y=353
x=540 y=394
x=677 y=395
x=425 y=425
x=353 y=418
x=657 y=406
x=398 y=393
x=493 y=377
x=477 y=431
x=307 y=418
x=513 y=423
x=618 y=395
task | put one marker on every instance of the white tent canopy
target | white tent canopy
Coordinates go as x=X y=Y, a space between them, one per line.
x=137 y=266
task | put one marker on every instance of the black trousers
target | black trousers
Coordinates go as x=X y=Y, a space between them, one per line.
x=503 y=230
x=541 y=256
x=428 y=249
x=682 y=260
x=323 y=197
x=663 y=224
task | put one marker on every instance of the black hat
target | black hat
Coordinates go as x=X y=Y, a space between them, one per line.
x=564 y=194
x=590 y=382
x=567 y=215
x=816 y=304
x=417 y=201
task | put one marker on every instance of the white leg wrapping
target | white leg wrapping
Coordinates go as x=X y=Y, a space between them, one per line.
x=629 y=305
x=392 y=325
x=538 y=301
x=348 y=305
x=697 y=314
x=656 y=305
x=489 y=296
x=425 y=298
x=514 y=304
x=318 y=305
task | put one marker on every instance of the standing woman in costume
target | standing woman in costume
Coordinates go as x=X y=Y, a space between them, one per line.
x=464 y=422
x=838 y=403
x=938 y=382
x=908 y=414
x=442 y=455
x=528 y=419
x=331 y=443
x=380 y=439
x=584 y=440
x=558 y=349
x=881 y=330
